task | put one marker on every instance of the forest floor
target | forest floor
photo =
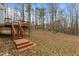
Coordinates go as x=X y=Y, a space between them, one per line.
x=48 y=44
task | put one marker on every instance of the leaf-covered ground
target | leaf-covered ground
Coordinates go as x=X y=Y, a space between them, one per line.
x=48 y=44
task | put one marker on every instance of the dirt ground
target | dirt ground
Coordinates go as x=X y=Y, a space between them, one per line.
x=48 y=44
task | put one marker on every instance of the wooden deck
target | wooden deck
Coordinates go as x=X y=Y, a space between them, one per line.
x=18 y=31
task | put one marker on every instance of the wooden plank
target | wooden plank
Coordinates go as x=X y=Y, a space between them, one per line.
x=24 y=49
x=24 y=45
x=20 y=41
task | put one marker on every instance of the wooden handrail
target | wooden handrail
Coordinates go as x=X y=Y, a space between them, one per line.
x=21 y=29
x=13 y=31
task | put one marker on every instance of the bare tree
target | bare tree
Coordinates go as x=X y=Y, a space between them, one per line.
x=29 y=15
x=22 y=12
x=76 y=18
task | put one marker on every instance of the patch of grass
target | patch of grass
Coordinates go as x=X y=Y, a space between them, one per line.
x=54 y=44
x=48 y=44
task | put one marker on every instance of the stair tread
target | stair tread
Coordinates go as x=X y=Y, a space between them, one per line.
x=25 y=48
x=20 y=41
x=24 y=45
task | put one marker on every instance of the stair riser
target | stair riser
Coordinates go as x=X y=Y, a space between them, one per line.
x=24 y=46
x=21 y=43
x=19 y=50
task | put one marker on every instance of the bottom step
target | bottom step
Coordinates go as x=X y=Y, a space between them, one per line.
x=25 y=48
